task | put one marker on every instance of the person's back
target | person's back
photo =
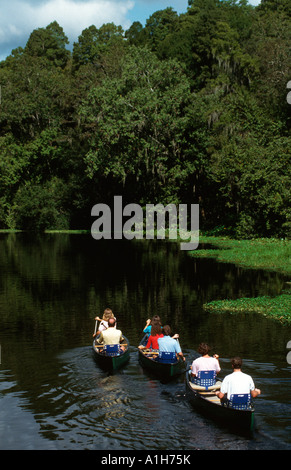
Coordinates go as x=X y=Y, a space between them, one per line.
x=205 y=362
x=112 y=335
x=156 y=332
x=153 y=341
x=237 y=383
x=168 y=344
x=147 y=329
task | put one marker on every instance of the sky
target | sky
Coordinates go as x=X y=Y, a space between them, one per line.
x=18 y=18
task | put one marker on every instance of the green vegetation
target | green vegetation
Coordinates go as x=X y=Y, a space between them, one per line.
x=278 y=308
x=256 y=253
x=188 y=108
x=259 y=254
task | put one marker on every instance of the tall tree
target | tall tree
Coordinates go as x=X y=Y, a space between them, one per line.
x=275 y=5
x=159 y=25
x=94 y=42
x=270 y=45
x=49 y=43
x=135 y=35
x=137 y=128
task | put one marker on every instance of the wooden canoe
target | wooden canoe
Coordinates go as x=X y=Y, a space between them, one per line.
x=148 y=358
x=111 y=362
x=210 y=405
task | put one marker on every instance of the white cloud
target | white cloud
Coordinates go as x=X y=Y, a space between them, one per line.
x=19 y=18
x=74 y=16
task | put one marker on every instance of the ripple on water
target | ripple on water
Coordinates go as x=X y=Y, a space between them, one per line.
x=79 y=406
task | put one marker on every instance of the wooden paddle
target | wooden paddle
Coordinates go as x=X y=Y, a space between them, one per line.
x=96 y=322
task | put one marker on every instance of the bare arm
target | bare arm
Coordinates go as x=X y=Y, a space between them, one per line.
x=147 y=324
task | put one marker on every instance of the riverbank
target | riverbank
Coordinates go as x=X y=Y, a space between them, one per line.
x=262 y=253
x=254 y=254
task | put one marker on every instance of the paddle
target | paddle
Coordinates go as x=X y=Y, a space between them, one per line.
x=182 y=352
x=96 y=323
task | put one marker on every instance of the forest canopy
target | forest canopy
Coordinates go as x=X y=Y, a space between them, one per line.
x=188 y=108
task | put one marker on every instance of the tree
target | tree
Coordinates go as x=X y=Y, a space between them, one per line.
x=12 y=167
x=231 y=60
x=135 y=35
x=136 y=124
x=189 y=108
x=275 y=5
x=249 y=168
x=93 y=44
x=270 y=46
x=34 y=95
x=41 y=206
x=49 y=43
x=159 y=25
x=191 y=40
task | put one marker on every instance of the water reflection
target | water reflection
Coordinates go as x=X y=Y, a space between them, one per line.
x=52 y=287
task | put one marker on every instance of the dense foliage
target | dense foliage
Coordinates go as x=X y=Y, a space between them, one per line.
x=189 y=108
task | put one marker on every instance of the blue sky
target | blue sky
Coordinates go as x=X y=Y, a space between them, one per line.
x=144 y=8
x=18 y=18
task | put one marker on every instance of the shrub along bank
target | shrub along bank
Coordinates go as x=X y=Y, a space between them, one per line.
x=259 y=254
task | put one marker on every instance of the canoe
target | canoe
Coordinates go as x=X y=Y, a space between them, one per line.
x=149 y=359
x=210 y=405
x=110 y=359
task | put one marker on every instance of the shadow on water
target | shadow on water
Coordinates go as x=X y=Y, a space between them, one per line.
x=52 y=393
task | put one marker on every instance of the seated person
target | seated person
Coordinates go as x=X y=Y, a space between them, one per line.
x=148 y=326
x=156 y=333
x=205 y=362
x=104 y=321
x=168 y=344
x=111 y=335
x=237 y=382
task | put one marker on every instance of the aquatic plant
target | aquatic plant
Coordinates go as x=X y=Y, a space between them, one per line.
x=261 y=253
x=278 y=307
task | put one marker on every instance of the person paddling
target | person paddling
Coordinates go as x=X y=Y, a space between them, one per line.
x=103 y=325
x=205 y=362
x=168 y=344
x=111 y=335
x=237 y=383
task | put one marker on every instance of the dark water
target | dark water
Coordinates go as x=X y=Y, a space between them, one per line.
x=52 y=394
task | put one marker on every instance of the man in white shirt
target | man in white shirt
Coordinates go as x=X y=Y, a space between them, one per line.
x=111 y=335
x=237 y=383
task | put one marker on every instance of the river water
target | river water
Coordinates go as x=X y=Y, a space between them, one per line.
x=53 y=396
